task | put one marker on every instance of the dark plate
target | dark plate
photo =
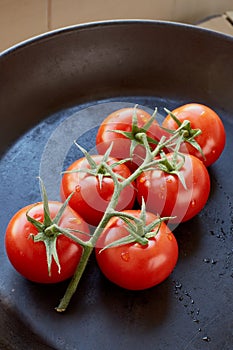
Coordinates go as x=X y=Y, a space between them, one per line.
x=69 y=80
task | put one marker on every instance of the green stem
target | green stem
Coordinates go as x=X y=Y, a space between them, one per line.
x=89 y=245
x=87 y=250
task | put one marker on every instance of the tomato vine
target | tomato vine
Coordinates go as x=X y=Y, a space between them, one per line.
x=160 y=155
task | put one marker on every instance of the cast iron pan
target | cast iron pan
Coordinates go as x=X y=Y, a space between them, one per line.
x=83 y=72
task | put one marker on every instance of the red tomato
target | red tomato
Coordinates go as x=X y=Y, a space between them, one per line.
x=122 y=120
x=135 y=266
x=29 y=257
x=91 y=198
x=211 y=140
x=165 y=195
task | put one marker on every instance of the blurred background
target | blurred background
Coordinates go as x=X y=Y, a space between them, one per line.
x=22 y=19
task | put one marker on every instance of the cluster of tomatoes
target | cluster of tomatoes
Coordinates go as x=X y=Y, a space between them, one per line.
x=133 y=253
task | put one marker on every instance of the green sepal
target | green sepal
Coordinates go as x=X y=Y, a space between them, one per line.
x=149 y=233
x=61 y=211
x=47 y=219
x=87 y=155
x=107 y=153
x=133 y=145
x=100 y=170
x=51 y=253
x=48 y=230
x=119 y=242
x=135 y=233
x=120 y=161
x=173 y=167
x=139 y=232
x=68 y=233
x=178 y=122
x=147 y=125
x=38 y=225
x=185 y=130
x=143 y=212
x=50 y=247
x=100 y=179
x=132 y=135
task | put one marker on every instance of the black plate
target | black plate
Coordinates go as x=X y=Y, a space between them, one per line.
x=76 y=75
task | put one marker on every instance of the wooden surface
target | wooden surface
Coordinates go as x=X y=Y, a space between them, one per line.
x=22 y=19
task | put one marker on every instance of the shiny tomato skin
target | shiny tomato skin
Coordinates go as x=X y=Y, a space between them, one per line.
x=165 y=195
x=122 y=120
x=134 y=266
x=89 y=199
x=211 y=140
x=29 y=258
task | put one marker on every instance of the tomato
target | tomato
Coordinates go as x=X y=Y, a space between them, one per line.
x=212 y=138
x=122 y=120
x=134 y=266
x=29 y=257
x=91 y=197
x=165 y=194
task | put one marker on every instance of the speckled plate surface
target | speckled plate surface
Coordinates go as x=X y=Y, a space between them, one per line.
x=65 y=82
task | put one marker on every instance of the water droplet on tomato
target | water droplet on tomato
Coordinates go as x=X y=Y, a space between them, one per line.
x=125 y=256
x=213 y=151
x=147 y=183
x=169 y=236
x=193 y=203
x=169 y=179
x=38 y=217
x=161 y=195
x=162 y=187
x=27 y=228
x=142 y=179
x=75 y=220
x=78 y=188
x=144 y=119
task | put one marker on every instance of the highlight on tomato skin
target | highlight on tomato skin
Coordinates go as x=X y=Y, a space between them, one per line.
x=134 y=266
x=29 y=257
x=213 y=136
x=91 y=198
x=165 y=194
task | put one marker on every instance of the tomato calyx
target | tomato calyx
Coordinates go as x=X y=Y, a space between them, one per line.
x=173 y=165
x=49 y=230
x=133 y=135
x=186 y=132
x=50 y=241
x=139 y=231
x=101 y=169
